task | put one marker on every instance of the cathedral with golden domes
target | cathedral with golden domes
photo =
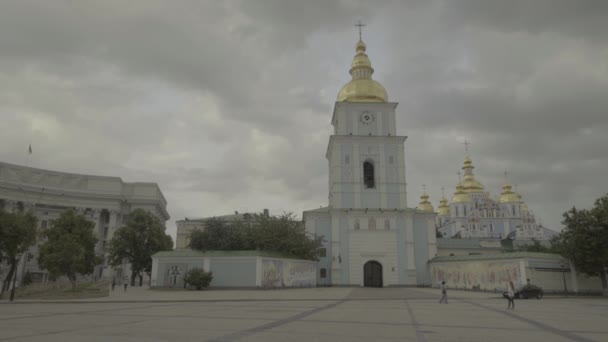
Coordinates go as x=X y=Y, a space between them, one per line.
x=472 y=213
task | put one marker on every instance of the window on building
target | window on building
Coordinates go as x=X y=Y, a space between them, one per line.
x=347 y=159
x=372 y=224
x=491 y=227
x=322 y=252
x=513 y=210
x=457 y=213
x=368 y=175
x=357 y=225
x=323 y=272
x=390 y=159
x=387 y=224
x=105 y=231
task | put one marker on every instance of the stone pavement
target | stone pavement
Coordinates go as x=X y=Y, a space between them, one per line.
x=317 y=314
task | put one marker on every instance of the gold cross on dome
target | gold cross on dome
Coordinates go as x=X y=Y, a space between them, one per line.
x=360 y=25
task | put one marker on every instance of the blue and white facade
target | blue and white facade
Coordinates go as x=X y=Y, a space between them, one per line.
x=367 y=219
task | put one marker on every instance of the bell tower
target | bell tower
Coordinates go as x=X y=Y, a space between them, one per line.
x=365 y=154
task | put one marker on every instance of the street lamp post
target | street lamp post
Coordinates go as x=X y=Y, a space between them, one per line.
x=564 y=278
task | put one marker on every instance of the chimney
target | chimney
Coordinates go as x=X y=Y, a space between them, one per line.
x=266 y=213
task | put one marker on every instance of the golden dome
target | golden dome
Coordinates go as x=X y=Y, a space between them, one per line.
x=460 y=196
x=469 y=183
x=508 y=196
x=443 y=208
x=362 y=88
x=425 y=204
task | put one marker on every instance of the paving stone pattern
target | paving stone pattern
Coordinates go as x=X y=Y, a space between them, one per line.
x=320 y=314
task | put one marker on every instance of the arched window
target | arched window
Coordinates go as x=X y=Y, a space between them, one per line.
x=368 y=175
x=371 y=224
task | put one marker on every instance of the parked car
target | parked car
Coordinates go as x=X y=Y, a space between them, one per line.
x=528 y=291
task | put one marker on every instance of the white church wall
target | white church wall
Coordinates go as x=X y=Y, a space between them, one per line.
x=402 y=246
x=378 y=246
x=421 y=250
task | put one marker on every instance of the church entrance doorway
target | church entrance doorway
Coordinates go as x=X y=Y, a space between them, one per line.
x=372 y=274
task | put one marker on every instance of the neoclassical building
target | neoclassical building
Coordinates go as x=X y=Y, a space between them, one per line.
x=371 y=237
x=106 y=201
x=473 y=213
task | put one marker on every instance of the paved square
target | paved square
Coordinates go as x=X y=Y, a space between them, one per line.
x=328 y=314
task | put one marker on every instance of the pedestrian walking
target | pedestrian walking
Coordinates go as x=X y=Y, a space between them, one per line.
x=444 y=293
x=511 y=296
x=113 y=283
x=126 y=283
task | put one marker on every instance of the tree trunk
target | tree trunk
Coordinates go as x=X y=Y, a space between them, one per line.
x=72 y=278
x=133 y=274
x=604 y=283
x=141 y=279
x=6 y=285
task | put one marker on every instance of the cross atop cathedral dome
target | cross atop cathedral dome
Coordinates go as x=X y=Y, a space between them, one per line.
x=362 y=88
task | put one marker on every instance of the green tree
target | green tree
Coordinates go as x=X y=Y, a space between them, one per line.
x=584 y=240
x=17 y=235
x=70 y=247
x=198 y=278
x=143 y=236
x=218 y=236
x=283 y=234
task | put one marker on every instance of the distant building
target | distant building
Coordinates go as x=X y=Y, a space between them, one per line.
x=106 y=201
x=187 y=225
x=472 y=213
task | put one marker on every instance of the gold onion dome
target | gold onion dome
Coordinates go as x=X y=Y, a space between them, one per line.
x=362 y=88
x=460 y=196
x=469 y=183
x=443 y=208
x=508 y=196
x=424 y=203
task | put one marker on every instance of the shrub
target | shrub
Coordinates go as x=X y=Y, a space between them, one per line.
x=198 y=278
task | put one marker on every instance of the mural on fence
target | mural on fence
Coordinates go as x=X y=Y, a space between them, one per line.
x=174 y=275
x=288 y=273
x=484 y=275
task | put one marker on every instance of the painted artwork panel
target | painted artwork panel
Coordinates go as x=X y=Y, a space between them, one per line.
x=483 y=275
x=288 y=273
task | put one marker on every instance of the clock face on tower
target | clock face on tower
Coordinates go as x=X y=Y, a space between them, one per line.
x=367 y=117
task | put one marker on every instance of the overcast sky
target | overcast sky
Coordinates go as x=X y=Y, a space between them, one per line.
x=227 y=104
